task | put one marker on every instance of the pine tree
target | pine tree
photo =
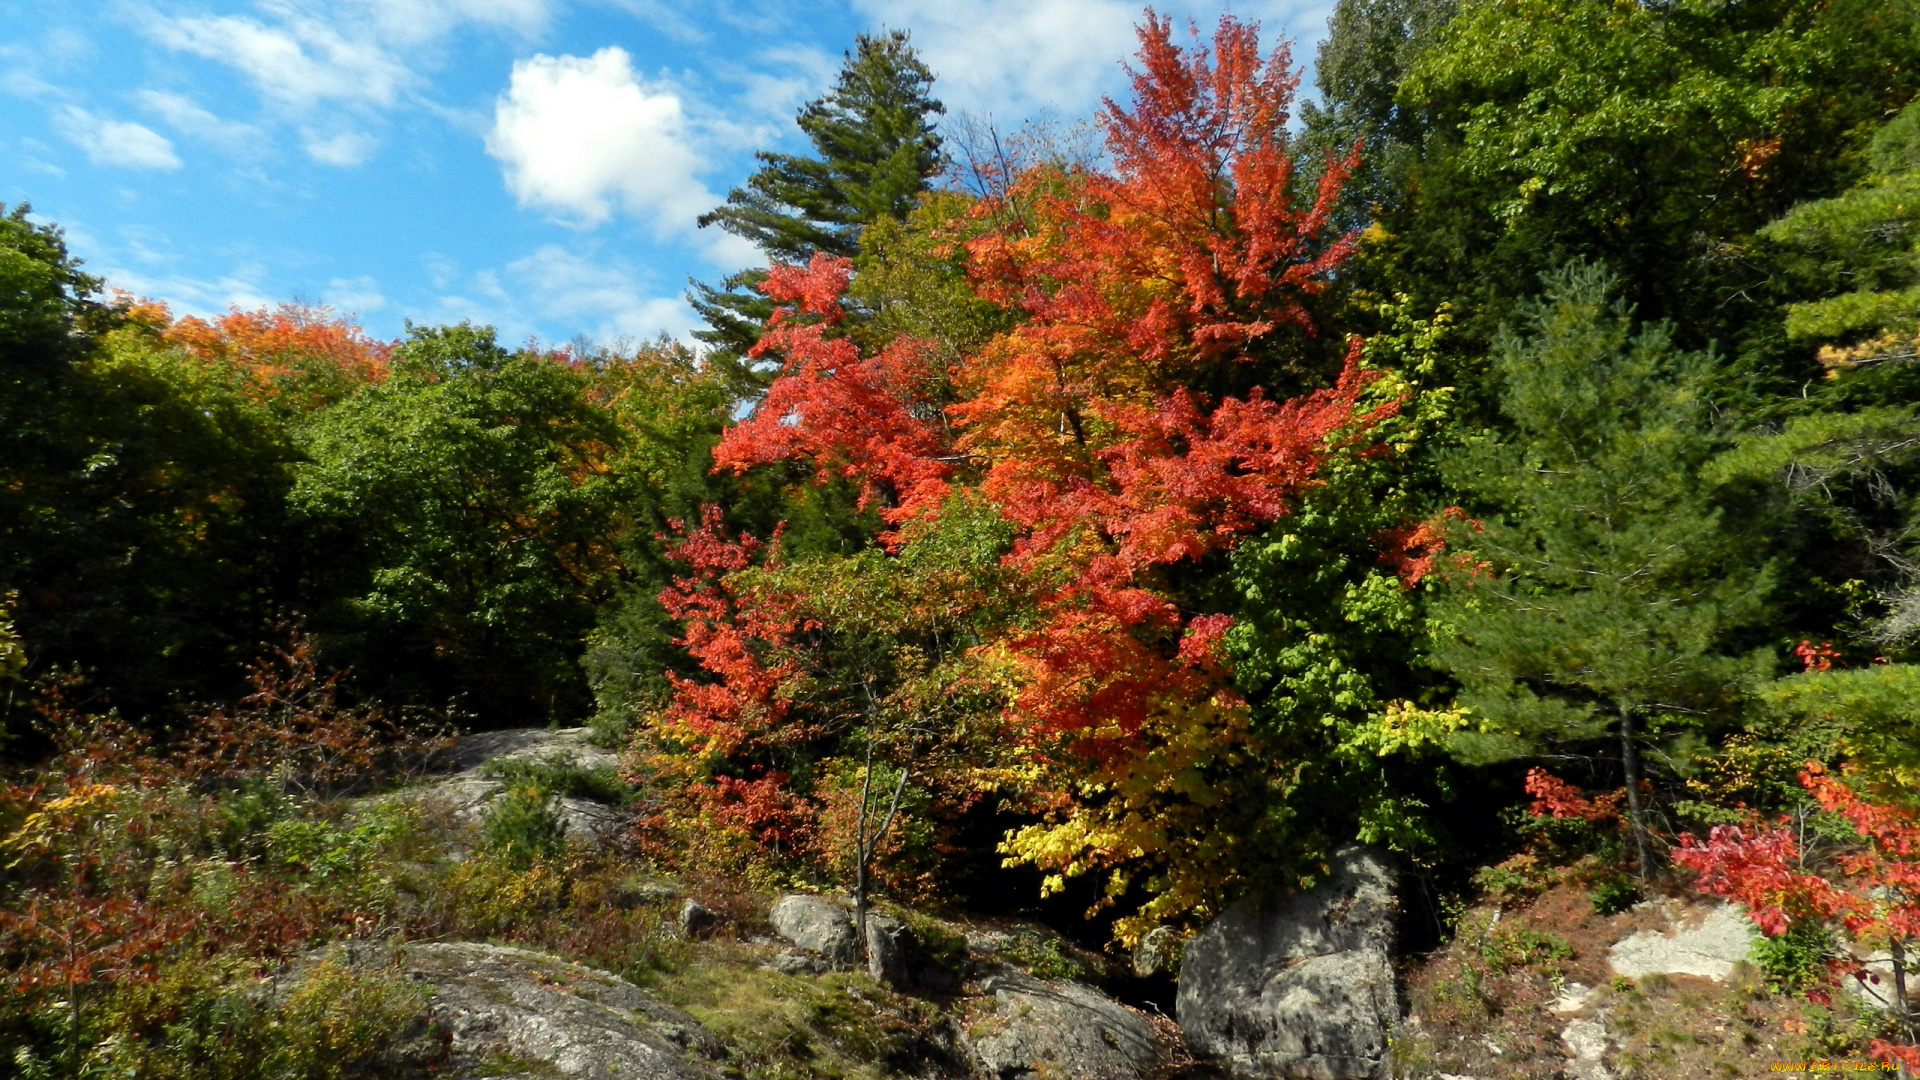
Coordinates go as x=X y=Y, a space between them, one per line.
x=874 y=149
x=1593 y=604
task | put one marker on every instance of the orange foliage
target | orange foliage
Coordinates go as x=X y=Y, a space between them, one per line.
x=1140 y=287
x=296 y=351
x=1118 y=427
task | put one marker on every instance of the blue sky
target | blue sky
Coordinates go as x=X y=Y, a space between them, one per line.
x=532 y=164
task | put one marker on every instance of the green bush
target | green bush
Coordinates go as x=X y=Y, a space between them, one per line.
x=1505 y=949
x=1797 y=959
x=561 y=775
x=523 y=825
x=1613 y=895
x=201 y=1019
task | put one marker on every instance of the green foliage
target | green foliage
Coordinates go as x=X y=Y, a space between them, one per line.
x=1369 y=46
x=874 y=137
x=562 y=775
x=471 y=510
x=1654 y=137
x=1796 y=960
x=1862 y=245
x=1871 y=715
x=1508 y=948
x=338 y=1022
x=1613 y=894
x=140 y=493
x=523 y=824
x=1605 y=589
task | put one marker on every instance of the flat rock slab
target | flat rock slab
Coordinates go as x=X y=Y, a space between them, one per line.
x=1705 y=945
x=1060 y=1031
x=469 y=789
x=519 y=1013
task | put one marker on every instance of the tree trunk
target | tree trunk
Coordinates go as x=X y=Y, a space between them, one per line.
x=1636 y=811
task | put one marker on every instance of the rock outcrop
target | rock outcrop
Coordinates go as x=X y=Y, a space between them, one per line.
x=1045 y=1029
x=1705 y=944
x=470 y=787
x=513 y=1013
x=1303 y=986
x=817 y=925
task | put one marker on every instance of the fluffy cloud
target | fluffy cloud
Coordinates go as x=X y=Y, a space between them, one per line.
x=118 y=143
x=586 y=136
x=303 y=54
x=1015 y=58
x=301 y=62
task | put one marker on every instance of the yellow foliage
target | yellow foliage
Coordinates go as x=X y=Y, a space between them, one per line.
x=1405 y=727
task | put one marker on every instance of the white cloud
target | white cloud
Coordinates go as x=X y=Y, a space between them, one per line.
x=305 y=52
x=338 y=61
x=1012 y=59
x=1016 y=57
x=118 y=143
x=185 y=295
x=586 y=136
x=185 y=116
x=301 y=62
x=564 y=292
x=578 y=290
x=344 y=149
x=354 y=296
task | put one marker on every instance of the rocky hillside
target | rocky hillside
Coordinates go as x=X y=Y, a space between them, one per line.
x=582 y=964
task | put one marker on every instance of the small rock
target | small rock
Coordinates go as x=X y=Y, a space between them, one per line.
x=799 y=963
x=1157 y=954
x=816 y=924
x=1586 y=1041
x=1573 y=997
x=890 y=950
x=1724 y=938
x=695 y=918
x=1042 y=1028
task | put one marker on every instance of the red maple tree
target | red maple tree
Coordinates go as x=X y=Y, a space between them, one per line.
x=1871 y=891
x=1121 y=427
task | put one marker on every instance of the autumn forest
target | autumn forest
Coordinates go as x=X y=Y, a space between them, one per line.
x=1500 y=450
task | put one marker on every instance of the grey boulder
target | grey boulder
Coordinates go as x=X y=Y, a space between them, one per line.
x=818 y=925
x=1301 y=987
x=1059 y=1031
